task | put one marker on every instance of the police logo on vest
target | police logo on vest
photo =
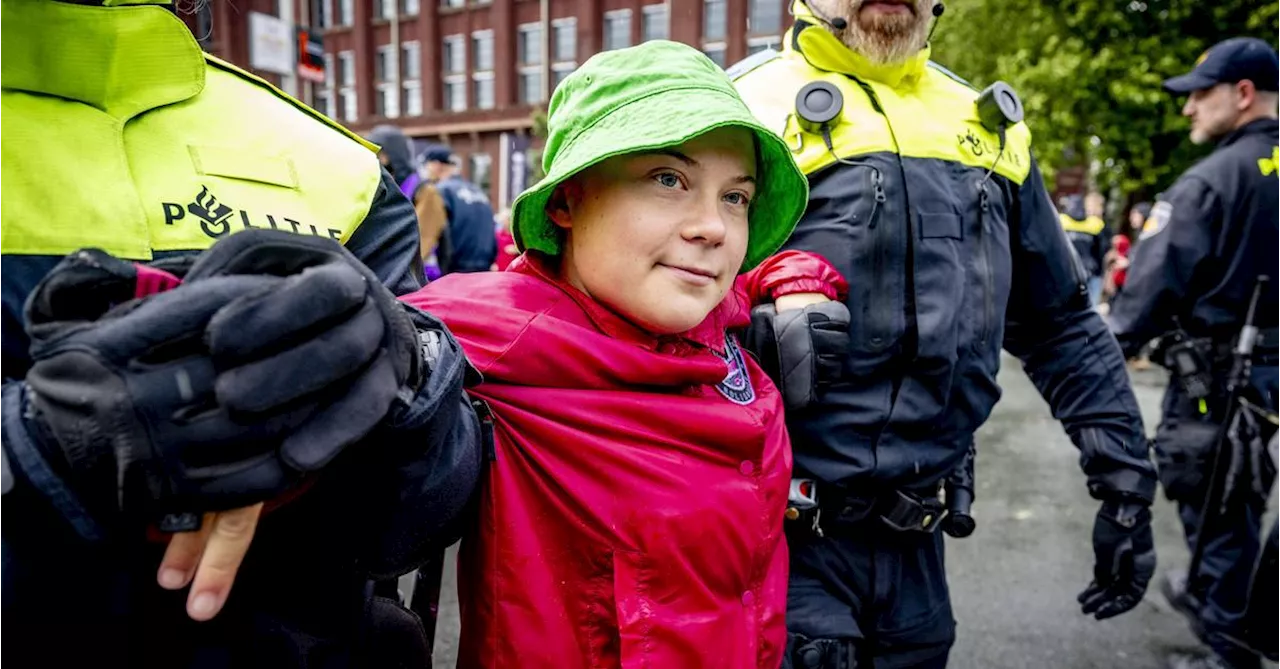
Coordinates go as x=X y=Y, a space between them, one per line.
x=736 y=386
x=218 y=220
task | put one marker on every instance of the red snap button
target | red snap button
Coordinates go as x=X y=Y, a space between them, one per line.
x=746 y=467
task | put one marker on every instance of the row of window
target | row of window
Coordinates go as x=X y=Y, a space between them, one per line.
x=763 y=17
x=337 y=98
x=341 y=13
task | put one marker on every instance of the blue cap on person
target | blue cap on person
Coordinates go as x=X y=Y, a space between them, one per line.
x=437 y=153
x=1228 y=62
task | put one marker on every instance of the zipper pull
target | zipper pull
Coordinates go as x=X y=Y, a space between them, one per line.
x=877 y=181
x=983 y=201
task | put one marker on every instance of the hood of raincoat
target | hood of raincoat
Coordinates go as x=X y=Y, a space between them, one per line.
x=398 y=148
x=632 y=515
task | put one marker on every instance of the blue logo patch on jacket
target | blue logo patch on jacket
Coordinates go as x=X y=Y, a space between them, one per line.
x=736 y=386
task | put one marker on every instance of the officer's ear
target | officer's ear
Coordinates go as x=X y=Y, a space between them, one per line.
x=564 y=199
x=1246 y=95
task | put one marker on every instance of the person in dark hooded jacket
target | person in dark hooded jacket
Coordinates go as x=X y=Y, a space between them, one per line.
x=395 y=151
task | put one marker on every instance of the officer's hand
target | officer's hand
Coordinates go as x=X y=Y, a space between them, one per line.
x=271 y=358
x=1125 y=556
x=212 y=556
x=802 y=349
x=798 y=301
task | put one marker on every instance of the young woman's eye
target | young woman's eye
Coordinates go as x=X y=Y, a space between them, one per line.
x=668 y=179
x=740 y=199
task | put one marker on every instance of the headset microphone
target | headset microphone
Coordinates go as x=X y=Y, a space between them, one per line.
x=938 y=9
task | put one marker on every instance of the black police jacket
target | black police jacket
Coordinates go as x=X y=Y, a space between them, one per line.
x=159 y=158
x=473 y=242
x=1207 y=240
x=952 y=250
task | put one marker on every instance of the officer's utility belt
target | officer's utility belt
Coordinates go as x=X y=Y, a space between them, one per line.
x=833 y=513
x=1196 y=362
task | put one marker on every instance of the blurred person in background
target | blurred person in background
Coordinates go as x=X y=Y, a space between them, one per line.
x=395 y=151
x=1081 y=218
x=472 y=246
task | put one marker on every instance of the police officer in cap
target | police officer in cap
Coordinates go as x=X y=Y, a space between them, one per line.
x=925 y=195
x=1208 y=240
x=472 y=241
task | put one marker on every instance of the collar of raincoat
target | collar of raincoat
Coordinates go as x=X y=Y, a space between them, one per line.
x=122 y=59
x=825 y=51
x=730 y=314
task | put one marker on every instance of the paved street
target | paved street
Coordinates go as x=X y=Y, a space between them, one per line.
x=1015 y=581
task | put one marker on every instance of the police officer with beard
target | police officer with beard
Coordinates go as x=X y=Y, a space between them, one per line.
x=929 y=201
x=1208 y=240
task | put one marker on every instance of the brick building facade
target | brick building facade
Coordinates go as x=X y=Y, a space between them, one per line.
x=471 y=73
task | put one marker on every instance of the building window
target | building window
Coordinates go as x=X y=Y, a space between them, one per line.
x=530 y=44
x=410 y=61
x=764 y=17
x=346 y=85
x=346 y=69
x=559 y=71
x=411 y=78
x=714 y=19
x=384 y=64
x=386 y=101
x=482 y=90
x=451 y=4
x=617 y=29
x=346 y=12
x=565 y=47
x=482 y=50
x=383 y=9
x=324 y=94
x=758 y=44
x=481 y=172
x=715 y=51
x=455 y=55
x=409 y=7
x=347 y=100
x=531 y=85
x=455 y=93
x=322 y=13
x=530 y=57
x=411 y=92
x=654 y=22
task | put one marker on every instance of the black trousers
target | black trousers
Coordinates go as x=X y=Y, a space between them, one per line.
x=868 y=598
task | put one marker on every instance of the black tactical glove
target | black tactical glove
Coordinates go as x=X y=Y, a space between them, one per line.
x=221 y=392
x=1125 y=556
x=802 y=350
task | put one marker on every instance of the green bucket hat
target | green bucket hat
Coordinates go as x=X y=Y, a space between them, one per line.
x=647 y=97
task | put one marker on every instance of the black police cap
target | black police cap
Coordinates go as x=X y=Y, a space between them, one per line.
x=1229 y=61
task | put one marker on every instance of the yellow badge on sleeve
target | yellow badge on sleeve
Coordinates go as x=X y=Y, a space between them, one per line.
x=1159 y=219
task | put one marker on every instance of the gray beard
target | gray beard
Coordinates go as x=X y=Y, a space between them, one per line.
x=886 y=44
x=883 y=49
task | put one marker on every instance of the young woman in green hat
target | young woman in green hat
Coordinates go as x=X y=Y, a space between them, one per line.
x=633 y=512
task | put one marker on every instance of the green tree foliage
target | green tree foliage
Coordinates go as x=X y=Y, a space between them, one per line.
x=1089 y=74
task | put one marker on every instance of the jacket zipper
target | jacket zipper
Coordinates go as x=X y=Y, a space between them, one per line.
x=879 y=312
x=984 y=255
